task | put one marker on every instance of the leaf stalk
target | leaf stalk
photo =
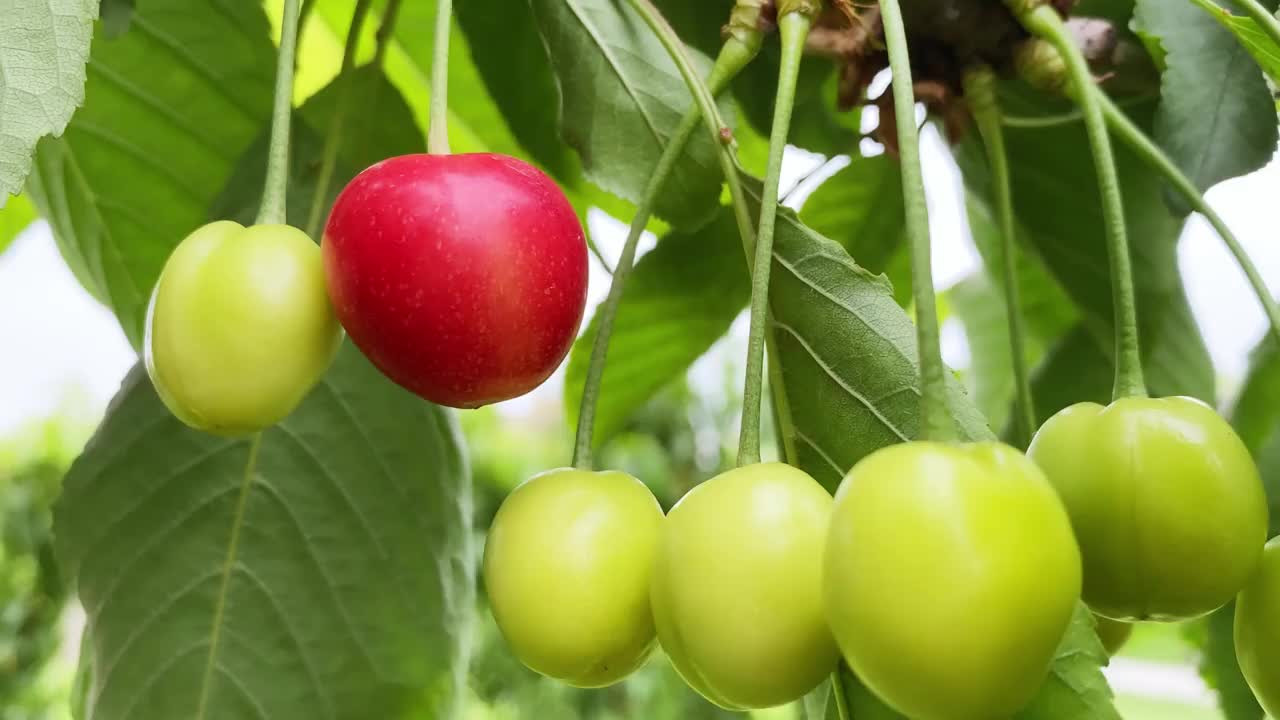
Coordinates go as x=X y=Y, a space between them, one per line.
x=984 y=103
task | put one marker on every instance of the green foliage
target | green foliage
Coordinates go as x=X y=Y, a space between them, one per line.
x=621 y=100
x=1216 y=118
x=384 y=128
x=680 y=298
x=847 y=358
x=32 y=594
x=1251 y=36
x=43 y=82
x=1056 y=200
x=14 y=218
x=861 y=208
x=331 y=579
x=1221 y=670
x=169 y=108
x=978 y=301
x=172 y=133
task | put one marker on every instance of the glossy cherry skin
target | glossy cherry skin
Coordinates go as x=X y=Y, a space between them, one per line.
x=737 y=587
x=951 y=577
x=1165 y=501
x=567 y=567
x=1257 y=630
x=462 y=277
x=239 y=328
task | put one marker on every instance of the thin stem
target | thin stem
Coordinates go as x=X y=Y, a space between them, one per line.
x=438 y=134
x=1254 y=9
x=935 y=424
x=333 y=140
x=793 y=29
x=1034 y=123
x=1151 y=153
x=1044 y=22
x=746 y=44
x=837 y=689
x=386 y=30
x=273 y=209
x=980 y=92
x=729 y=63
x=706 y=103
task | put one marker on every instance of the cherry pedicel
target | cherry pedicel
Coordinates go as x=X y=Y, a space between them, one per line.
x=463 y=278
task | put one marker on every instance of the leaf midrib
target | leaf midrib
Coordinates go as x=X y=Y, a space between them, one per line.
x=616 y=67
x=237 y=522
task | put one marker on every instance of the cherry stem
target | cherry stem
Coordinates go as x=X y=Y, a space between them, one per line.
x=438 y=134
x=729 y=63
x=385 y=31
x=1068 y=118
x=1254 y=9
x=935 y=424
x=793 y=29
x=984 y=104
x=274 y=202
x=837 y=690
x=1151 y=153
x=333 y=139
x=719 y=132
x=1044 y=22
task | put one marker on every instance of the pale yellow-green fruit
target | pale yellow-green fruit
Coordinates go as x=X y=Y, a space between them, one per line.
x=1164 y=499
x=567 y=567
x=1257 y=630
x=951 y=578
x=737 y=592
x=240 y=327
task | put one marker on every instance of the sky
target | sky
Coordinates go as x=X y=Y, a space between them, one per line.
x=63 y=353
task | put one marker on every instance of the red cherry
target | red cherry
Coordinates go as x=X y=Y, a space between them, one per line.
x=463 y=278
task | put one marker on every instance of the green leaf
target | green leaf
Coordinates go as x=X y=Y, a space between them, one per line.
x=847 y=356
x=1256 y=417
x=503 y=35
x=1076 y=369
x=621 y=100
x=816 y=123
x=1217 y=119
x=1075 y=689
x=679 y=300
x=475 y=125
x=43 y=50
x=116 y=16
x=861 y=208
x=378 y=125
x=1251 y=36
x=979 y=302
x=331 y=579
x=493 y=109
x=1221 y=670
x=1057 y=202
x=169 y=108
x=14 y=218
